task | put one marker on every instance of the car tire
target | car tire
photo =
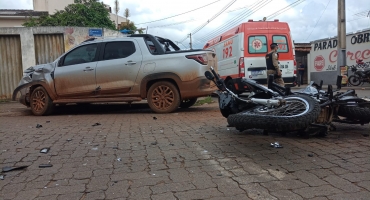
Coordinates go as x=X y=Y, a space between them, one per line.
x=187 y=103
x=163 y=97
x=40 y=102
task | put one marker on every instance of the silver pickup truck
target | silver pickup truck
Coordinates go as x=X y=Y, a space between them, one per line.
x=120 y=69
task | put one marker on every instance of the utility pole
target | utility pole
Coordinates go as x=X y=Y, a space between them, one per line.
x=341 y=35
x=191 y=44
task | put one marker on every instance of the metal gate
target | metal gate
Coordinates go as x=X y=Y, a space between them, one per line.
x=48 y=47
x=10 y=64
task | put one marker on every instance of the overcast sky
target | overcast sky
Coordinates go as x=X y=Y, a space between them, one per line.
x=308 y=20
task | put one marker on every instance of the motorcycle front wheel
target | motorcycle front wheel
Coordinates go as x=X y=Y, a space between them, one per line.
x=298 y=112
x=354 y=80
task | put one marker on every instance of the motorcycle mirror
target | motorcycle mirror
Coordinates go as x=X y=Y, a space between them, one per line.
x=209 y=75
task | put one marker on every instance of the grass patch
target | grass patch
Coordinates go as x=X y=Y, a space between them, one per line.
x=206 y=100
x=4 y=100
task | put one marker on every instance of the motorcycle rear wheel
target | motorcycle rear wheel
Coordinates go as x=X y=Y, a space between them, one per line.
x=354 y=80
x=298 y=113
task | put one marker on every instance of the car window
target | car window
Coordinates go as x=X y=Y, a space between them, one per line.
x=83 y=54
x=151 y=46
x=257 y=44
x=116 y=50
x=282 y=42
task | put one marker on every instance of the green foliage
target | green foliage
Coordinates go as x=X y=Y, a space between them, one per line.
x=86 y=13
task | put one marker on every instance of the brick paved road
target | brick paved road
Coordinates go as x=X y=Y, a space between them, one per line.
x=190 y=154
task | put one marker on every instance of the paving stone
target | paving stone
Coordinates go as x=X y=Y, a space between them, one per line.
x=172 y=187
x=286 y=194
x=342 y=184
x=198 y=194
x=95 y=195
x=140 y=193
x=117 y=190
x=283 y=185
x=363 y=195
x=323 y=190
x=309 y=178
x=364 y=184
x=256 y=191
x=357 y=177
x=70 y=196
x=254 y=179
x=164 y=196
x=228 y=186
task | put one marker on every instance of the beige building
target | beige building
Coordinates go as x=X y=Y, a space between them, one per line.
x=15 y=18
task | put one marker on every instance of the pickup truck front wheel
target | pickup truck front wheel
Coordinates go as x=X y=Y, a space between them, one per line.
x=163 y=97
x=40 y=102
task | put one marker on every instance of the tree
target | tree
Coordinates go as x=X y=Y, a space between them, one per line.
x=128 y=25
x=85 y=13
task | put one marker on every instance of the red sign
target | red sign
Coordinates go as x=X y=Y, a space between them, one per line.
x=319 y=63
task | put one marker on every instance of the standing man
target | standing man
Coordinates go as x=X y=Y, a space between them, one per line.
x=272 y=64
x=300 y=72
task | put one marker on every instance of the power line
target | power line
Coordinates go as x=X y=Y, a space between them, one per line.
x=318 y=20
x=180 y=13
x=237 y=19
x=216 y=15
x=288 y=7
x=228 y=23
x=173 y=24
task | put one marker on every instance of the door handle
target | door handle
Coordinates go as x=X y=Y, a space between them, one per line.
x=130 y=63
x=88 y=69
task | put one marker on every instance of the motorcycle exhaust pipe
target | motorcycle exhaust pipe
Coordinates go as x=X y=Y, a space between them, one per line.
x=267 y=102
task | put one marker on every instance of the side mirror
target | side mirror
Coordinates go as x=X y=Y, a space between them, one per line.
x=209 y=75
x=60 y=61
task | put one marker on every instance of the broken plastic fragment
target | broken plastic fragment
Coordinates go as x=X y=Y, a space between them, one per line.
x=38 y=126
x=45 y=165
x=119 y=159
x=96 y=124
x=276 y=145
x=45 y=150
x=2 y=177
x=94 y=148
x=7 y=169
x=310 y=155
x=68 y=140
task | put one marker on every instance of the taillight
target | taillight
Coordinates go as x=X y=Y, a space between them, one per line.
x=200 y=58
x=241 y=67
x=295 y=67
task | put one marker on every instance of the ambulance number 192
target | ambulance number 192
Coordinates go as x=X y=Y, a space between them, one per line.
x=227 y=52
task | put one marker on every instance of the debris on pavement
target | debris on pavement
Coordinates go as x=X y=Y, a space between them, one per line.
x=94 y=148
x=68 y=140
x=310 y=155
x=38 y=126
x=154 y=118
x=45 y=165
x=2 y=177
x=119 y=159
x=8 y=169
x=96 y=124
x=154 y=143
x=45 y=150
x=276 y=145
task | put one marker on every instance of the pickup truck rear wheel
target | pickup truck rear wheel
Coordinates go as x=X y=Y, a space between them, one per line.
x=40 y=102
x=163 y=97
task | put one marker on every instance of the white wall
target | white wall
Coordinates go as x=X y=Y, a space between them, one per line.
x=51 y=5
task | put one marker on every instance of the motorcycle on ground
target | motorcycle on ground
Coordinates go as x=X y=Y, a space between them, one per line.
x=361 y=74
x=342 y=107
x=264 y=108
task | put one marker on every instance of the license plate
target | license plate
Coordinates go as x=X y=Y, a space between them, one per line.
x=257 y=72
